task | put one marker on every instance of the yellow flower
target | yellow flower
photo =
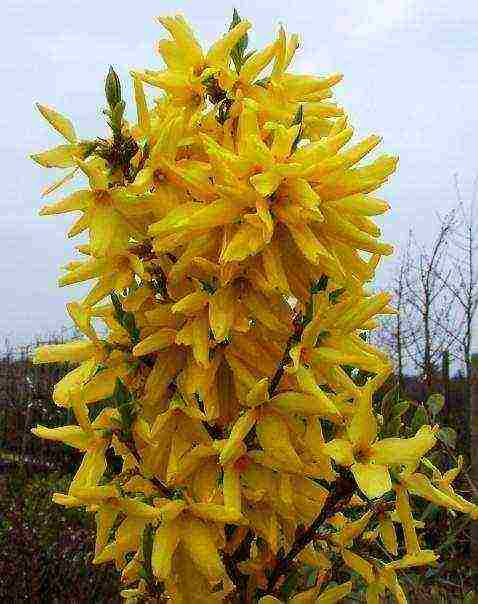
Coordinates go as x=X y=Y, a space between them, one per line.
x=440 y=494
x=328 y=596
x=368 y=458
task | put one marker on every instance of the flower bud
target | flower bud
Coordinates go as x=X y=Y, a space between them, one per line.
x=113 y=88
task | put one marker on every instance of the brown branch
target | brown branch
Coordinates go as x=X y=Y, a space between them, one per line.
x=231 y=562
x=344 y=488
x=131 y=446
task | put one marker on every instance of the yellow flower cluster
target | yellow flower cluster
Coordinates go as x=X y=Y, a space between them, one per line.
x=225 y=408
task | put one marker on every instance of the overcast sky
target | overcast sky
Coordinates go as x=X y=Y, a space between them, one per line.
x=410 y=72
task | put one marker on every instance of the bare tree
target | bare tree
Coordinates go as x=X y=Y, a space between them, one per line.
x=464 y=284
x=395 y=332
x=401 y=301
x=430 y=308
x=464 y=289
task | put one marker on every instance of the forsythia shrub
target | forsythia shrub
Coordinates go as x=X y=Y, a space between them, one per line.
x=237 y=454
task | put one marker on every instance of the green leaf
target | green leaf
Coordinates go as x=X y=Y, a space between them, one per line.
x=298 y=119
x=399 y=409
x=448 y=436
x=207 y=287
x=129 y=323
x=311 y=576
x=389 y=399
x=393 y=426
x=334 y=295
x=99 y=368
x=133 y=287
x=86 y=148
x=289 y=587
x=121 y=394
x=299 y=116
x=420 y=418
x=125 y=404
x=428 y=465
x=125 y=319
x=236 y=19
x=119 y=312
x=238 y=52
x=435 y=403
x=147 y=546
x=320 y=285
x=310 y=310
x=262 y=82
x=431 y=512
x=323 y=335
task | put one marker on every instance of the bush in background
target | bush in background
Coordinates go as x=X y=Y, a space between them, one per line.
x=45 y=549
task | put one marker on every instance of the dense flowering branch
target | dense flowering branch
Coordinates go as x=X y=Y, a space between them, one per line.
x=230 y=240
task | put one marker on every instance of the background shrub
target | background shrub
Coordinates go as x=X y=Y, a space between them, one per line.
x=45 y=549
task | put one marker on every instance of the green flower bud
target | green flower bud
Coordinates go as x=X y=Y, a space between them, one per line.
x=113 y=88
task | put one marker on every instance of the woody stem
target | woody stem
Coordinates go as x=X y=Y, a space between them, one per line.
x=344 y=488
x=159 y=484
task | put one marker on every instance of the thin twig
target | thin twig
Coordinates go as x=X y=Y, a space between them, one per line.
x=344 y=488
x=131 y=446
